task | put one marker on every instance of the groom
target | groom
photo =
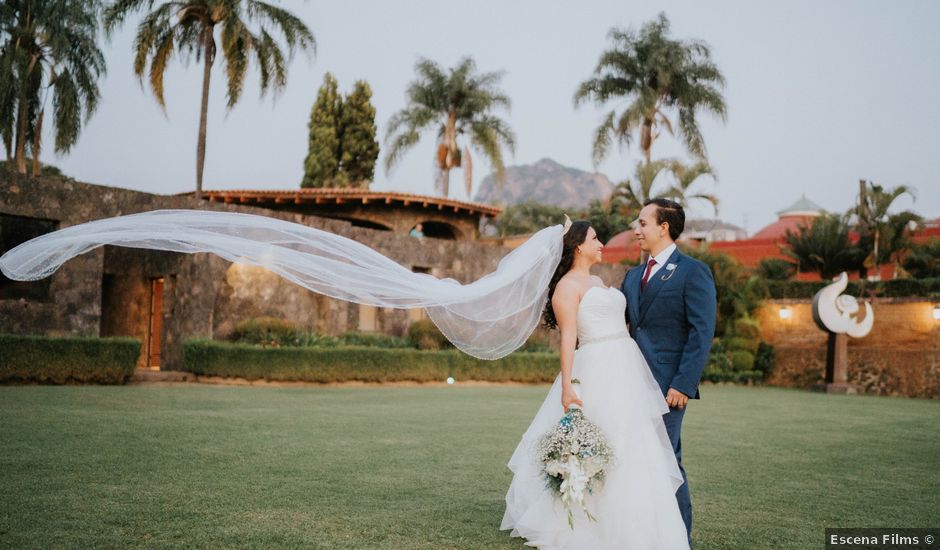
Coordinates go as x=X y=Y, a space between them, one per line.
x=671 y=309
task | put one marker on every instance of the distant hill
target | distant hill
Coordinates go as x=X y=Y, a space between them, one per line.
x=546 y=182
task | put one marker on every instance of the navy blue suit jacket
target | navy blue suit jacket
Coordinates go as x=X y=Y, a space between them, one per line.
x=673 y=320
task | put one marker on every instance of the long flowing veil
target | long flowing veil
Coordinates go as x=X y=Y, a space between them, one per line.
x=488 y=318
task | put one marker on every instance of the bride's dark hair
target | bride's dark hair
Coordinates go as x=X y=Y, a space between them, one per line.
x=575 y=236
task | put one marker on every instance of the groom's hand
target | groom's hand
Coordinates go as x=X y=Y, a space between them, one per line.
x=675 y=398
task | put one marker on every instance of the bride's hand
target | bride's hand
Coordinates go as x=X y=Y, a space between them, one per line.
x=569 y=397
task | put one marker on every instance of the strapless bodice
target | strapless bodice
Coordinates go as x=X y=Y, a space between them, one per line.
x=601 y=315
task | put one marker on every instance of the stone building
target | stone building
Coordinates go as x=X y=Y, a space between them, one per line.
x=439 y=217
x=163 y=297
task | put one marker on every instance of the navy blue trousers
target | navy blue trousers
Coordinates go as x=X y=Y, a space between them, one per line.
x=673 y=421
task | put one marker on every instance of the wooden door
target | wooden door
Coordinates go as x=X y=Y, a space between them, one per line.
x=156 y=322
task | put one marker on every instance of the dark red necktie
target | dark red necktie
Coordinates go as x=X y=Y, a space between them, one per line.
x=649 y=269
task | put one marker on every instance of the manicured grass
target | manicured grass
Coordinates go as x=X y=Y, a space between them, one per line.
x=424 y=467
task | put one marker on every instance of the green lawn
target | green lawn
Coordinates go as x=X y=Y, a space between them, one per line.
x=424 y=467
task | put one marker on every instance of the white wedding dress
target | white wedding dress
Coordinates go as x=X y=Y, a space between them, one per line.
x=636 y=506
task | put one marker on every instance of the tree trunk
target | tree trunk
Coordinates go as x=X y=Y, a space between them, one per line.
x=20 y=155
x=646 y=138
x=37 y=143
x=206 y=74
x=21 y=122
x=450 y=140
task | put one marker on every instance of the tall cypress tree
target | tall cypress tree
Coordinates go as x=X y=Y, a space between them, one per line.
x=359 y=146
x=321 y=166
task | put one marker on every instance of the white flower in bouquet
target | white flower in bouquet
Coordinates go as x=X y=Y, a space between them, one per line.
x=574 y=457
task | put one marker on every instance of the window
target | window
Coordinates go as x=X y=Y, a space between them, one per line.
x=15 y=230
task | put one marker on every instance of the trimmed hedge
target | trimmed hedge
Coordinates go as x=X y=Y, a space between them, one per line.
x=61 y=360
x=364 y=364
x=894 y=288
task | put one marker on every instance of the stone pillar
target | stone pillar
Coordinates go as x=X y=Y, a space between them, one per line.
x=837 y=365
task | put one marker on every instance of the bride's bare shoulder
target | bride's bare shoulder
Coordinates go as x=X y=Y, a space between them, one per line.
x=569 y=288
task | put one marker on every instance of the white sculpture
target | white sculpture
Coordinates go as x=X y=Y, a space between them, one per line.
x=840 y=313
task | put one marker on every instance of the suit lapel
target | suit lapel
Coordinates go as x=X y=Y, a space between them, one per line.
x=633 y=293
x=656 y=283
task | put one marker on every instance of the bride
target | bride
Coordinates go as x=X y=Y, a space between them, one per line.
x=636 y=505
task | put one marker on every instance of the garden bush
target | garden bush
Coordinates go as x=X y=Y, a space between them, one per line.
x=894 y=288
x=268 y=331
x=365 y=364
x=61 y=360
x=736 y=343
x=741 y=360
x=747 y=328
x=373 y=340
x=764 y=359
x=775 y=269
x=425 y=335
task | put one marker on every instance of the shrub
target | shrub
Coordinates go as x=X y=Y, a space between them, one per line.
x=765 y=358
x=58 y=360
x=268 y=331
x=894 y=288
x=747 y=328
x=374 y=340
x=775 y=269
x=741 y=344
x=923 y=259
x=208 y=357
x=536 y=343
x=425 y=335
x=742 y=360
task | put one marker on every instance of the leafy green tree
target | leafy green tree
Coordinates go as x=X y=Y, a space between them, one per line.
x=529 y=217
x=775 y=269
x=605 y=220
x=189 y=27
x=359 y=148
x=882 y=236
x=455 y=103
x=824 y=247
x=739 y=293
x=322 y=163
x=658 y=76
x=48 y=52
x=342 y=144
x=923 y=260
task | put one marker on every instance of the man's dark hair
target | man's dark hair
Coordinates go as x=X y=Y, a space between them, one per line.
x=671 y=212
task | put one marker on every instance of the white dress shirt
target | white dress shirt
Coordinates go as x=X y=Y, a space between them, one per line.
x=661 y=259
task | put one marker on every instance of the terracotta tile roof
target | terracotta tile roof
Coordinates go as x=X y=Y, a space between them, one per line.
x=779 y=228
x=342 y=195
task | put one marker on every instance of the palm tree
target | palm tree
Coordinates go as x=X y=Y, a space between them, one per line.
x=823 y=247
x=882 y=235
x=189 y=27
x=629 y=197
x=48 y=50
x=458 y=102
x=685 y=177
x=657 y=75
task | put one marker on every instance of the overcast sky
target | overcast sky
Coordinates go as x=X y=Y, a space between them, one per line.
x=819 y=95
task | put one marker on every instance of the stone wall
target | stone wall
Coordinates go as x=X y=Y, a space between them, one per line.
x=900 y=356
x=106 y=292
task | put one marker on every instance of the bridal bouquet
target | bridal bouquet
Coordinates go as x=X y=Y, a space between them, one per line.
x=574 y=457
